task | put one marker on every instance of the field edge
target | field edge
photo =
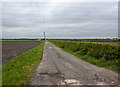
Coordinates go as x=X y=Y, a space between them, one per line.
x=19 y=70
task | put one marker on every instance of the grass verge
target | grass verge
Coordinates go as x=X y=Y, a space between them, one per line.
x=19 y=70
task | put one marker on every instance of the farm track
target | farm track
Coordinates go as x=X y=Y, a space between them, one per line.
x=14 y=49
x=61 y=68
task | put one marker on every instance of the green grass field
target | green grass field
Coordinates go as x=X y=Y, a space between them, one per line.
x=20 y=40
x=19 y=70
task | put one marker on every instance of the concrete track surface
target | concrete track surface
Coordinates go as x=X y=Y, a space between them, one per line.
x=61 y=68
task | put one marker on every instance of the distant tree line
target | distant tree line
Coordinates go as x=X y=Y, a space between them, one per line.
x=91 y=40
x=20 y=39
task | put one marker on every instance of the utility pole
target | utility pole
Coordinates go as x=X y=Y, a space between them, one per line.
x=44 y=36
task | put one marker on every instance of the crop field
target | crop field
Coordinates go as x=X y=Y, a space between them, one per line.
x=19 y=69
x=19 y=40
x=14 y=49
x=102 y=54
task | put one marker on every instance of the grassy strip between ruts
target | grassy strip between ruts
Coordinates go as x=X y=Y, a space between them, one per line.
x=19 y=70
x=20 y=40
x=109 y=64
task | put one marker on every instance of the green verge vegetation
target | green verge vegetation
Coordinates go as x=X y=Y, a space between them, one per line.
x=101 y=54
x=20 y=40
x=19 y=70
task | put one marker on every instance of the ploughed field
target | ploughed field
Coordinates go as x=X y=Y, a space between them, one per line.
x=13 y=49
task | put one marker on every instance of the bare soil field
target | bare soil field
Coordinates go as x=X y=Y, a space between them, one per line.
x=14 y=49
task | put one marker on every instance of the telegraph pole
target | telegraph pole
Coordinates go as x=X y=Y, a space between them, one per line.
x=44 y=36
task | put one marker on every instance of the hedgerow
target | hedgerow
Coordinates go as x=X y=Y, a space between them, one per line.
x=102 y=51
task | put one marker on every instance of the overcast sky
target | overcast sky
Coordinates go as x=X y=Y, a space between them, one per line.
x=59 y=19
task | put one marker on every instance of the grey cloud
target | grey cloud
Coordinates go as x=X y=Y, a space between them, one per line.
x=75 y=19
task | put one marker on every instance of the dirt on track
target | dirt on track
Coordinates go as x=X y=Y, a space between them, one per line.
x=14 y=49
